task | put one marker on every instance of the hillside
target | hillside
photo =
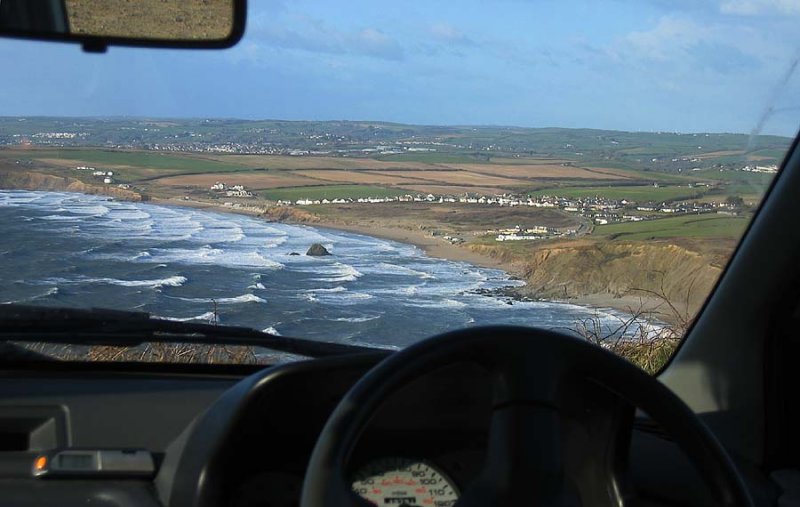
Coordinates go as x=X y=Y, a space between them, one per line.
x=400 y=143
x=683 y=274
x=37 y=181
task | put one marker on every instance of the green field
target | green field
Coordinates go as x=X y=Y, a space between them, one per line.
x=688 y=226
x=748 y=190
x=435 y=158
x=646 y=176
x=777 y=154
x=751 y=185
x=144 y=159
x=642 y=193
x=330 y=192
x=760 y=179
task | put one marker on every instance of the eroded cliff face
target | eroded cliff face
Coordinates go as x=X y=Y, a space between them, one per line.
x=583 y=268
x=20 y=180
x=290 y=215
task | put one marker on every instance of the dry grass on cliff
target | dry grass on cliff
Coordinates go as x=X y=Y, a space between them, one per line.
x=174 y=353
x=181 y=353
x=636 y=336
x=634 y=339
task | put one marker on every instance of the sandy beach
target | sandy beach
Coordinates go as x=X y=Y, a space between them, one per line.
x=439 y=248
x=432 y=246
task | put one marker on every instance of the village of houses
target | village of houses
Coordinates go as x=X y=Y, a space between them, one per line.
x=597 y=210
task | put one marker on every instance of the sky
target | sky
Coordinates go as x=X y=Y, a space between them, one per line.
x=639 y=65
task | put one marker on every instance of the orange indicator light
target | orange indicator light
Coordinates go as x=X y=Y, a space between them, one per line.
x=40 y=463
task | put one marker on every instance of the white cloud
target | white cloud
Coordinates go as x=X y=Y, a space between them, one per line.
x=757 y=7
x=678 y=53
x=448 y=34
x=689 y=44
x=316 y=36
x=670 y=34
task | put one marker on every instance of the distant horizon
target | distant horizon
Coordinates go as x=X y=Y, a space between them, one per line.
x=389 y=122
x=705 y=66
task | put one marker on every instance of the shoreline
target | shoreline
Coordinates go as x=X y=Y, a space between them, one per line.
x=626 y=305
x=430 y=245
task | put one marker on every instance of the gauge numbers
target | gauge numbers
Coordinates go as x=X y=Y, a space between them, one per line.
x=403 y=482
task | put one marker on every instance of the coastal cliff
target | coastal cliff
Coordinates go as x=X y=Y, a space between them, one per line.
x=577 y=269
x=289 y=215
x=23 y=180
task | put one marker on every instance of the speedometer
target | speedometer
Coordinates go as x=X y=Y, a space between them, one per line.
x=404 y=482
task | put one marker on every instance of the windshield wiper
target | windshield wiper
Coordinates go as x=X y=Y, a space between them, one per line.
x=97 y=326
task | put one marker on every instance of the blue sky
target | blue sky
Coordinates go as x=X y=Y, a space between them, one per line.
x=655 y=65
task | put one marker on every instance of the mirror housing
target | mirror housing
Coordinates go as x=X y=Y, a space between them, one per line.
x=97 y=24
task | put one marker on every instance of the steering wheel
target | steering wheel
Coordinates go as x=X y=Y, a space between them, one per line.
x=531 y=370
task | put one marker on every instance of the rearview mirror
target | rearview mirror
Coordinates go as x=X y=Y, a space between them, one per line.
x=96 y=24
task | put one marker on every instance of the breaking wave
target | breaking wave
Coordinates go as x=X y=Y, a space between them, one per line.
x=357 y=319
x=52 y=291
x=338 y=288
x=244 y=298
x=206 y=317
x=340 y=273
x=172 y=281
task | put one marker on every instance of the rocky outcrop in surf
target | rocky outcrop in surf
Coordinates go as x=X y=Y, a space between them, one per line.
x=317 y=250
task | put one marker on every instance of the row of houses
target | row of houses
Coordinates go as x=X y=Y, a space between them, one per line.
x=536 y=229
x=106 y=176
x=769 y=169
x=588 y=207
x=650 y=212
x=244 y=207
x=519 y=237
x=369 y=200
x=504 y=200
x=597 y=210
x=231 y=191
x=536 y=232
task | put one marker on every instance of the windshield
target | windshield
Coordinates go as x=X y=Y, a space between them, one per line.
x=373 y=174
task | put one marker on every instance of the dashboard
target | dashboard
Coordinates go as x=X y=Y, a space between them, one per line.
x=246 y=441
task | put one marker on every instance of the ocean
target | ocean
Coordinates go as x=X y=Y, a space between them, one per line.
x=76 y=250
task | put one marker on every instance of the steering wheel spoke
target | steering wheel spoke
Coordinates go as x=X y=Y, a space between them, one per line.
x=524 y=463
x=519 y=380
